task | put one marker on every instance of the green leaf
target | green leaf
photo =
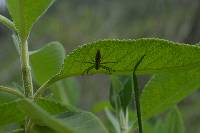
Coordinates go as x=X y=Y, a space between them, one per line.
x=47 y=61
x=42 y=129
x=26 y=12
x=78 y=122
x=6 y=97
x=167 y=89
x=174 y=121
x=126 y=94
x=67 y=91
x=120 y=56
x=161 y=56
x=35 y=112
x=11 y=114
x=83 y=122
x=101 y=106
x=113 y=120
x=160 y=127
x=115 y=89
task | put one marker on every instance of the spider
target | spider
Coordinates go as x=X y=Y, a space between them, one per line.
x=97 y=64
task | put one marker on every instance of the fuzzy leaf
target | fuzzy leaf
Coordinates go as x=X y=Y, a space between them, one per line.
x=161 y=56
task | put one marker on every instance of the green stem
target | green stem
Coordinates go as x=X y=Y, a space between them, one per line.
x=7 y=23
x=11 y=91
x=137 y=102
x=137 y=94
x=26 y=70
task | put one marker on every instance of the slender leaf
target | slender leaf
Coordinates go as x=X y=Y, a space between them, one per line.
x=174 y=121
x=126 y=95
x=113 y=120
x=67 y=91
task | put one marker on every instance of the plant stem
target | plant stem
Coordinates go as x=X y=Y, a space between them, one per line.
x=26 y=70
x=137 y=94
x=11 y=91
x=7 y=23
x=137 y=102
x=26 y=75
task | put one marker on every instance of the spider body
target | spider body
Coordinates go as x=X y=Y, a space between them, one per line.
x=97 y=59
x=97 y=64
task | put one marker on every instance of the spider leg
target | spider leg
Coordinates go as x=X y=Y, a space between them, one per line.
x=107 y=68
x=88 y=69
x=108 y=62
x=88 y=62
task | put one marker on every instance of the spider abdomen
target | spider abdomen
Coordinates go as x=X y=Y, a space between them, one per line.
x=97 y=59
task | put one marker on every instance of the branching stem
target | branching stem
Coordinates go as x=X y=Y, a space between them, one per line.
x=7 y=23
x=11 y=91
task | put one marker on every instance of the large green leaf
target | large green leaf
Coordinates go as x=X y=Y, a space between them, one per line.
x=47 y=61
x=166 y=89
x=35 y=112
x=77 y=122
x=161 y=55
x=120 y=56
x=26 y=12
x=11 y=114
x=80 y=122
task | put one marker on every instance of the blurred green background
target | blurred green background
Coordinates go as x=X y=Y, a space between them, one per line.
x=75 y=22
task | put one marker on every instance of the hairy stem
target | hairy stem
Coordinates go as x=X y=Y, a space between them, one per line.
x=7 y=23
x=26 y=75
x=11 y=91
x=26 y=70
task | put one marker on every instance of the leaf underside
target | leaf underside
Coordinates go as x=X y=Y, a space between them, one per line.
x=122 y=55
